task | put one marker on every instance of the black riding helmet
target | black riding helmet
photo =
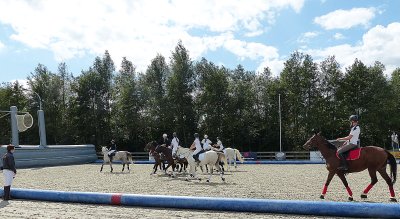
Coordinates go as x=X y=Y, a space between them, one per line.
x=353 y=118
x=196 y=135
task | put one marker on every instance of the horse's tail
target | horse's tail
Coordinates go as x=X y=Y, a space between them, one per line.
x=222 y=158
x=238 y=155
x=393 y=166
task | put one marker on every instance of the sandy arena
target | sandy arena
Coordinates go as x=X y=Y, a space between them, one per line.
x=294 y=182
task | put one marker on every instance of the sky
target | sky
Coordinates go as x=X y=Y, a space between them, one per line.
x=253 y=33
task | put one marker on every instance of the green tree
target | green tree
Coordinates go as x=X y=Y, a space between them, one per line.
x=180 y=86
x=155 y=105
x=300 y=99
x=127 y=105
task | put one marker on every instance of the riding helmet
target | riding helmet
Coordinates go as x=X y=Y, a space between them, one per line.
x=196 y=135
x=206 y=136
x=353 y=118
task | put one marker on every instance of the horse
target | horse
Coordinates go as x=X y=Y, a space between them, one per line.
x=181 y=163
x=373 y=158
x=159 y=161
x=211 y=158
x=167 y=152
x=124 y=156
x=231 y=155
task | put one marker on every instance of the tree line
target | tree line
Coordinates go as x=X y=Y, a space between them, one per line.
x=184 y=96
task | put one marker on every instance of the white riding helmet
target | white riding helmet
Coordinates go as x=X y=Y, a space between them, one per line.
x=205 y=136
x=165 y=135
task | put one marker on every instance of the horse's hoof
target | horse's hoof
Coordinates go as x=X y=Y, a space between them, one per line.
x=223 y=179
x=351 y=199
x=199 y=179
x=186 y=179
x=393 y=200
x=364 y=196
x=322 y=197
x=208 y=181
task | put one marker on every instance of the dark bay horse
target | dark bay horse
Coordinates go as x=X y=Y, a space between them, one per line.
x=373 y=158
x=167 y=152
x=159 y=161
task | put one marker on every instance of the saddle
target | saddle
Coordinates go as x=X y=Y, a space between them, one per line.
x=352 y=154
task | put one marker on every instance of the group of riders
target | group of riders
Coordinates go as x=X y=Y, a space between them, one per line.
x=352 y=141
x=198 y=146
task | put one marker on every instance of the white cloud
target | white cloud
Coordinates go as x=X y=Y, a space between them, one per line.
x=345 y=19
x=137 y=29
x=305 y=37
x=378 y=44
x=338 y=36
x=2 y=46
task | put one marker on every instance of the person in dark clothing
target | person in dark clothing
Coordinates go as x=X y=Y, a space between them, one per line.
x=112 y=149
x=165 y=141
x=9 y=170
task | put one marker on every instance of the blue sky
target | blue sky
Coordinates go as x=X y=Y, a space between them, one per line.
x=254 y=33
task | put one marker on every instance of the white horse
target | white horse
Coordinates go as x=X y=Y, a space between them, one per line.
x=124 y=156
x=231 y=155
x=210 y=158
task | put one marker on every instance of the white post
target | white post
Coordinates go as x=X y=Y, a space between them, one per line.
x=280 y=125
x=14 y=126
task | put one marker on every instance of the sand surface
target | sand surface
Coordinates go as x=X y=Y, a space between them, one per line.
x=293 y=182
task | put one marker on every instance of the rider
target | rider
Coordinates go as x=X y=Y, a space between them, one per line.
x=352 y=141
x=219 y=143
x=206 y=143
x=112 y=149
x=165 y=140
x=197 y=144
x=175 y=144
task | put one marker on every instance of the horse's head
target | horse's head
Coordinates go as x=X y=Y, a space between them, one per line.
x=151 y=146
x=104 y=149
x=313 y=140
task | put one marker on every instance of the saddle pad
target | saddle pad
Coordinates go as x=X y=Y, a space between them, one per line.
x=353 y=154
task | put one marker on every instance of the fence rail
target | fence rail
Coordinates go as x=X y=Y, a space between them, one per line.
x=289 y=155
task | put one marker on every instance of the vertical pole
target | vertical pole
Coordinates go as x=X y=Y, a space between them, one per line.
x=42 y=129
x=14 y=126
x=280 y=125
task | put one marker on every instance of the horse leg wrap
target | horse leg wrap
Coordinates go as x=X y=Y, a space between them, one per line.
x=349 y=191
x=324 y=189
x=369 y=187
x=391 y=191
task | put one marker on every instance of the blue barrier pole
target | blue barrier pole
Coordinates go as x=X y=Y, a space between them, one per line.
x=321 y=208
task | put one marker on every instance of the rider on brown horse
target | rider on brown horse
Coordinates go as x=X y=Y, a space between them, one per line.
x=352 y=141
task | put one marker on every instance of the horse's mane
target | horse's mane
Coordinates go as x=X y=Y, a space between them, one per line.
x=330 y=145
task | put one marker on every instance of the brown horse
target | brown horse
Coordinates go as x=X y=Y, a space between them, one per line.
x=167 y=152
x=372 y=158
x=159 y=161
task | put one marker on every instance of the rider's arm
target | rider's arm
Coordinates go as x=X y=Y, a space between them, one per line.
x=345 y=138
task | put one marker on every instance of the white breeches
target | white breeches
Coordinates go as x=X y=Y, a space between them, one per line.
x=8 y=177
x=197 y=151
x=110 y=152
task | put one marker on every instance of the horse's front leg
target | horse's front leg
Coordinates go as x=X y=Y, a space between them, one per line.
x=101 y=169
x=123 y=167
x=328 y=180
x=211 y=172
x=344 y=181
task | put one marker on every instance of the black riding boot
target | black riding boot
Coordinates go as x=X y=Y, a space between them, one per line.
x=6 y=193
x=196 y=158
x=343 y=163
